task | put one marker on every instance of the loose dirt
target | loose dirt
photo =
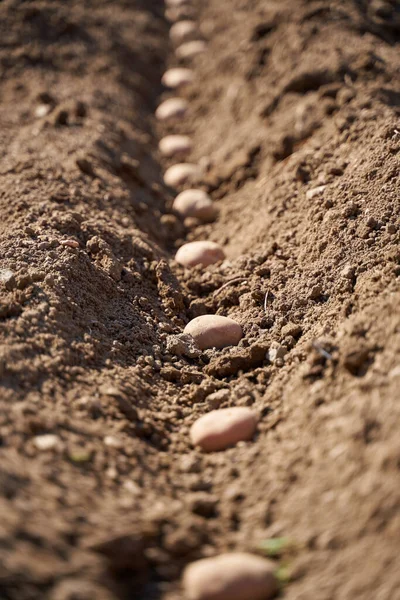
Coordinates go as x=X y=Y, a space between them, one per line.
x=294 y=116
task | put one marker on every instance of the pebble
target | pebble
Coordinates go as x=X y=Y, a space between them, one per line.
x=190 y=49
x=230 y=576
x=42 y=110
x=275 y=352
x=196 y=204
x=219 y=429
x=178 y=77
x=69 y=243
x=348 y=272
x=199 y=253
x=214 y=331
x=173 y=108
x=182 y=173
x=173 y=145
x=310 y=194
x=183 y=31
x=7 y=277
x=47 y=441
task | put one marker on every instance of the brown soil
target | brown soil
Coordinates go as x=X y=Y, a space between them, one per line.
x=290 y=96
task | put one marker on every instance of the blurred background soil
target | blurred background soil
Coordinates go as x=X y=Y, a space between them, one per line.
x=295 y=115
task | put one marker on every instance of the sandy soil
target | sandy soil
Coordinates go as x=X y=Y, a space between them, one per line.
x=295 y=117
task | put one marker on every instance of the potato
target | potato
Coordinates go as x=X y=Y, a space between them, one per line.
x=176 y=78
x=190 y=49
x=199 y=253
x=173 y=108
x=183 y=31
x=175 y=145
x=214 y=331
x=196 y=204
x=182 y=173
x=222 y=428
x=175 y=3
x=230 y=576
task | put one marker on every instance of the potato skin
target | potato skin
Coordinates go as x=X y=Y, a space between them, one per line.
x=231 y=576
x=219 y=429
x=214 y=331
x=199 y=253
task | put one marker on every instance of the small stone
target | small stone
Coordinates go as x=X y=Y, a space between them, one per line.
x=214 y=331
x=219 y=429
x=275 y=352
x=173 y=108
x=195 y=204
x=69 y=243
x=202 y=253
x=191 y=49
x=177 y=77
x=7 y=277
x=317 y=191
x=183 y=31
x=348 y=272
x=175 y=145
x=42 y=110
x=181 y=174
x=113 y=442
x=47 y=441
x=231 y=576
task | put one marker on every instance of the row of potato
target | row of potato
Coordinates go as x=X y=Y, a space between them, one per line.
x=235 y=575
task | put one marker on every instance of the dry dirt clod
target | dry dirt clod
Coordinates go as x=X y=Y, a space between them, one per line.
x=202 y=253
x=181 y=174
x=178 y=77
x=231 y=576
x=173 y=108
x=214 y=331
x=196 y=204
x=175 y=145
x=219 y=429
x=182 y=345
x=191 y=49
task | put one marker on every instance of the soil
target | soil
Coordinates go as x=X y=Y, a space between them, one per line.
x=295 y=117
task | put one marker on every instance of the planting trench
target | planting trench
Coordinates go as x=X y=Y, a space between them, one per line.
x=294 y=117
